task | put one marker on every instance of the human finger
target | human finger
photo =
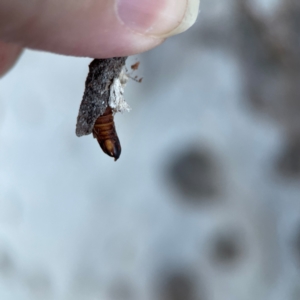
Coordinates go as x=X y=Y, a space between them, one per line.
x=94 y=28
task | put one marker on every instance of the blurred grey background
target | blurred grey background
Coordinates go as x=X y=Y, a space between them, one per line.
x=204 y=202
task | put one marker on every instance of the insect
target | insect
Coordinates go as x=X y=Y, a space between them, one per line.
x=105 y=133
x=102 y=98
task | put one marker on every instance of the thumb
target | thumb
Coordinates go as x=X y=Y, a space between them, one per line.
x=94 y=28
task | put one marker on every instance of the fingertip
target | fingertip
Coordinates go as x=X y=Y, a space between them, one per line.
x=9 y=54
x=159 y=18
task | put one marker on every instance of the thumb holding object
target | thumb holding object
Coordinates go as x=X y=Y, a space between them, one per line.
x=93 y=28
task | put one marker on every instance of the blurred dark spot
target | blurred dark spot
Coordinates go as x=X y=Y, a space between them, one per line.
x=121 y=290
x=6 y=263
x=270 y=62
x=39 y=284
x=295 y=292
x=178 y=286
x=87 y=283
x=194 y=174
x=227 y=248
x=296 y=245
x=289 y=161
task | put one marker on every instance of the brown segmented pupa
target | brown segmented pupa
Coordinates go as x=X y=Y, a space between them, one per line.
x=105 y=132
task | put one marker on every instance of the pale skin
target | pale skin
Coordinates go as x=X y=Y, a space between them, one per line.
x=90 y=28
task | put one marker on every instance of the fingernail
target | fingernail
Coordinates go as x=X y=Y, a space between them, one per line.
x=160 y=18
